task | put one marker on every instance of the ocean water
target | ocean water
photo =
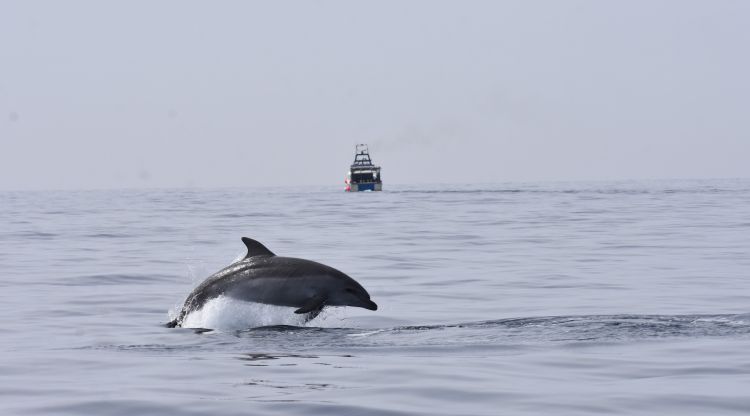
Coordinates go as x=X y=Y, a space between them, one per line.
x=513 y=299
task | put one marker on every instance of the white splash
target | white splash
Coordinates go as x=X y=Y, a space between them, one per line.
x=225 y=313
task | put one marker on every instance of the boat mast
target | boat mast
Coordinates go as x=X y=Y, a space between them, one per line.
x=362 y=156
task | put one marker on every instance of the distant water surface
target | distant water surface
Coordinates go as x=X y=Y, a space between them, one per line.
x=556 y=298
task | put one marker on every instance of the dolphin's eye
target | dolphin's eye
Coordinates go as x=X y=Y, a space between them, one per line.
x=350 y=290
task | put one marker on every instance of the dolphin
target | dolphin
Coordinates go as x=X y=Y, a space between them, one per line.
x=263 y=277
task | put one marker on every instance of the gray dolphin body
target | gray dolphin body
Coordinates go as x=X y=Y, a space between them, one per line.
x=266 y=278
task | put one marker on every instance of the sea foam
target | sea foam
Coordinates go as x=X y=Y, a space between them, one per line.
x=225 y=313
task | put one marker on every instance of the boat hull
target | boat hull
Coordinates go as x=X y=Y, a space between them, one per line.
x=359 y=187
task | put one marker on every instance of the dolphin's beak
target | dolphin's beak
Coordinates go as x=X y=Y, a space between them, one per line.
x=368 y=304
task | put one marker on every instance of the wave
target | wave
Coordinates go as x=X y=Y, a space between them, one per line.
x=547 y=330
x=582 y=191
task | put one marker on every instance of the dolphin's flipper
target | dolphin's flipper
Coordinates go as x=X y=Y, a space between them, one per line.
x=314 y=314
x=315 y=303
x=255 y=248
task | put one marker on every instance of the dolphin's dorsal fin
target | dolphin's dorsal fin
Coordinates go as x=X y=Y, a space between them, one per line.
x=255 y=248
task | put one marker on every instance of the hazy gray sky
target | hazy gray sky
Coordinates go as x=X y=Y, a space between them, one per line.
x=217 y=93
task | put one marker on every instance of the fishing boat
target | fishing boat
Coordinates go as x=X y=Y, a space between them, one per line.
x=363 y=175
